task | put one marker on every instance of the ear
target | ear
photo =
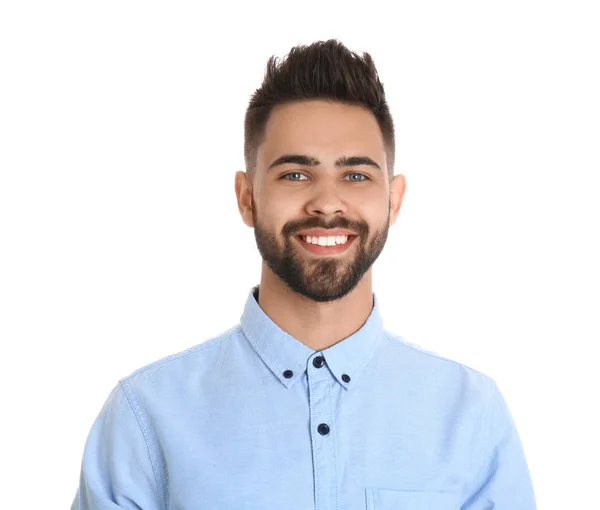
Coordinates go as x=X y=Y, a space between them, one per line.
x=243 y=192
x=397 y=190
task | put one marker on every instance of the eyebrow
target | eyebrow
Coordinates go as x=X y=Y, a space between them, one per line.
x=344 y=161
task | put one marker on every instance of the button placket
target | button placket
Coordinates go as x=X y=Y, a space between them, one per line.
x=322 y=434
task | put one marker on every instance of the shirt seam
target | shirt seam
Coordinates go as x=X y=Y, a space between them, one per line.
x=135 y=409
x=395 y=338
x=335 y=436
x=191 y=350
x=485 y=441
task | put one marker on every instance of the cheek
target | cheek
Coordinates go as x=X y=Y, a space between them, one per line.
x=273 y=215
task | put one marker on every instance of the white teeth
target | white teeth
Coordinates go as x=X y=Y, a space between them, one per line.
x=325 y=241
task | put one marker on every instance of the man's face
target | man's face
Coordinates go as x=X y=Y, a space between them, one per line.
x=292 y=197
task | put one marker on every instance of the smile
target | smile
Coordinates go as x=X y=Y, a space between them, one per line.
x=317 y=249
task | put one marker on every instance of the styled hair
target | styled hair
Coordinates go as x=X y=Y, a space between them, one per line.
x=322 y=70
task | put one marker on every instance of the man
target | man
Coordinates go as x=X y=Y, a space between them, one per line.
x=308 y=402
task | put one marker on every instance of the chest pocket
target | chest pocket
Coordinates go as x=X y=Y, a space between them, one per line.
x=388 y=499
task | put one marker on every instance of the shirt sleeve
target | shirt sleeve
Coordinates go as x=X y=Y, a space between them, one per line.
x=503 y=481
x=116 y=470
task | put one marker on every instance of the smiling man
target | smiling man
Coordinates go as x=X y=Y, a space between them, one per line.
x=321 y=199
x=308 y=402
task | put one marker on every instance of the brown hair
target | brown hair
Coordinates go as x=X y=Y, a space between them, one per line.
x=323 y=70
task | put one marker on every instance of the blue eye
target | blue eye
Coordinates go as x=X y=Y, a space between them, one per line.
x=300 y=173
x=292 y=173
x=363 y=175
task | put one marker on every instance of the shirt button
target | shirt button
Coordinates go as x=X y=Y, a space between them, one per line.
x=288 y=373
x=318 y=361
x=323 y=429
x=345 y=378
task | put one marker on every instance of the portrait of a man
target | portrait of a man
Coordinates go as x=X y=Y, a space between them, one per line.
x=310 y=401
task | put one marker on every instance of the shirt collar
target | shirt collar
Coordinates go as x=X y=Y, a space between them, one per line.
x=283 y=353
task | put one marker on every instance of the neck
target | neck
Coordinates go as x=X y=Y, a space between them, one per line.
x=317 y=325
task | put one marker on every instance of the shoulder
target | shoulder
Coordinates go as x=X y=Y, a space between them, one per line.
x=430 y=362
x=177 y=364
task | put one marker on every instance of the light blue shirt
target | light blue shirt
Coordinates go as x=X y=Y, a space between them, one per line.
x=255 y=419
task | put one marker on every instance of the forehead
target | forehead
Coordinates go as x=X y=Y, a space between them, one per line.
x=322 y=128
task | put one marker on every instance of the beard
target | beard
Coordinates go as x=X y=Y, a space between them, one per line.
x=321 y=278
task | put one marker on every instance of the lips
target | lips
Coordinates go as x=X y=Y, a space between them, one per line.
x=326 y=232
x=326 y=250
x=349 y=236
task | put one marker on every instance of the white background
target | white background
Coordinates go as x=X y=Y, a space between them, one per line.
x=121 y=129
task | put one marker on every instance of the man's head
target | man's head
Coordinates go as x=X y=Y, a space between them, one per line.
x=319 y=151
